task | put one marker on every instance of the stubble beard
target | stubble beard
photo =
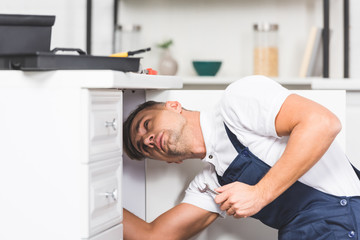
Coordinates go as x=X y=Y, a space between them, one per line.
x=179 y=144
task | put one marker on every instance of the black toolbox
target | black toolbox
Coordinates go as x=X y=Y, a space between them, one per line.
x=25 y=45
x=25 y=33
x=52 y=61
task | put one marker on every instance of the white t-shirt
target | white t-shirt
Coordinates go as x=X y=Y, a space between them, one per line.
x=249 y=107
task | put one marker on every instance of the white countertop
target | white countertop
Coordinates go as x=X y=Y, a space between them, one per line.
x=121 y=80
x=87 y=79
x=350 y=84
x=196 y=80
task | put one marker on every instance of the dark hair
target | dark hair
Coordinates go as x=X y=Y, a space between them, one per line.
x=128 y=146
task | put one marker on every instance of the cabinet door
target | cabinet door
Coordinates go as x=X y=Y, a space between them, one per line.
x=102 y=124
x=101 y=197
x=114 y=233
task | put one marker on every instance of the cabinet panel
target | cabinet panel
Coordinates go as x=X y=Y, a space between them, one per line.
x=114 y=233
x=103 y=208
x=105 y=126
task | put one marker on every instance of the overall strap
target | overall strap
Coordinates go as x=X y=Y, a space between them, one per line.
x=299 y=212
x=356 y=171
x=235 y=142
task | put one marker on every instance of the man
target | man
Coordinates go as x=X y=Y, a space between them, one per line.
x=271 y=155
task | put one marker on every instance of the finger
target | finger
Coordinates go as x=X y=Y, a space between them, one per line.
x=224 y=188
x=222 y=197
x=231 y=211
x=236 y=216
x=225 y=206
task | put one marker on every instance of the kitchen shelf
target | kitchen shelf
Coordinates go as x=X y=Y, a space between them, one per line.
x=227 y=80
x=349 y=84
x=194 y=82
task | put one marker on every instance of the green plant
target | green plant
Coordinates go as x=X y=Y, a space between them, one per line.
x=166 y=44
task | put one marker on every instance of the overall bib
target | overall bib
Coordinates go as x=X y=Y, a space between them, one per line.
x=301 y=212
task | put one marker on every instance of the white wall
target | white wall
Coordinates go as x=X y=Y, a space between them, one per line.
x=69 y=29
x=354 y=38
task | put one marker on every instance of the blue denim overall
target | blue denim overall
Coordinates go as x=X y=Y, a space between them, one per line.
x=301 y=212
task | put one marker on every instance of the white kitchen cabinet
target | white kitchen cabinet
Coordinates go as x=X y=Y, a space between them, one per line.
x=111 y=234
x=105 y=120
x=104 y=196
x=47 y=175
x=61 y=153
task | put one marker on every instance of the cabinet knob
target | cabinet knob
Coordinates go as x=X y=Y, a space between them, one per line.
x=112 y=195
x=111 y=124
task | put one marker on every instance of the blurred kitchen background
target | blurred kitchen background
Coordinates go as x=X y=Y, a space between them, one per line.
x=200 y=30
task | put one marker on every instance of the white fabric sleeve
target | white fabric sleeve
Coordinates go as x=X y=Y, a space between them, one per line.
x=252 y=104
x=203 y=200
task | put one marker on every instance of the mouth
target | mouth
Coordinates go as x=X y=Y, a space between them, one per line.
x=159 y=142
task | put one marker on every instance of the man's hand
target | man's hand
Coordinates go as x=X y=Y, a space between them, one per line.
x=239 y=199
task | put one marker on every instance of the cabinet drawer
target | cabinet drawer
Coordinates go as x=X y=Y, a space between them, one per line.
x=103 y=208
x=105 y=126
x=115 y=233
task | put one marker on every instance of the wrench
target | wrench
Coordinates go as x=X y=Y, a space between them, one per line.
x=207 y=189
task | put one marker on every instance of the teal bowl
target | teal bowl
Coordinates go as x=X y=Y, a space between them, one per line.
x=206 y=68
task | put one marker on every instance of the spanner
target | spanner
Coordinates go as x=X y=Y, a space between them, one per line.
x=207 y=189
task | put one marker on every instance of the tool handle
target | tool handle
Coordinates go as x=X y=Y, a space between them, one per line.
x=78 y=50
x=121 y=54
x=130 y=53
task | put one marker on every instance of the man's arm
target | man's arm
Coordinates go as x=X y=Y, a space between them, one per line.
x=181 y=222
x=311 y=129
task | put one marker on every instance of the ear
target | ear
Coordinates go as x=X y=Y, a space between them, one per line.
x=173 y=105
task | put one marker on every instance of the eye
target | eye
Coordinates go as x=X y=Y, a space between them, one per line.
x=146 y=123
x=145 y=149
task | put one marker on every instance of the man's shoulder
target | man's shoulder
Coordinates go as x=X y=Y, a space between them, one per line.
x=254 y=80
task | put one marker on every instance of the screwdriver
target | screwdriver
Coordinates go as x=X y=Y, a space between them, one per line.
x=130 y=53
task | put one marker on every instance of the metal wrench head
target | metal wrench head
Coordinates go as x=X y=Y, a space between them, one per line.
x=207 y=189
x=202 y=190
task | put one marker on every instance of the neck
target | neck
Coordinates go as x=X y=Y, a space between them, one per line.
x=198 y=149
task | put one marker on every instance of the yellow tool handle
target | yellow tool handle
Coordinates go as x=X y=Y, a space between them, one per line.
x=130 y=53
x=121 y=54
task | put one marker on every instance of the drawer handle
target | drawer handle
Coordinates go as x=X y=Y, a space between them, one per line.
x=112 y=195
x=111 y=124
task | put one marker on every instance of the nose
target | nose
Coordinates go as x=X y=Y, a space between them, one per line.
x=149 y=140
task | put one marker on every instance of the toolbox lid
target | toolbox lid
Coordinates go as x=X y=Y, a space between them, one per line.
x=26 y=20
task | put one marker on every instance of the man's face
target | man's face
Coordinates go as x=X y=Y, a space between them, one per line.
x=160 y=133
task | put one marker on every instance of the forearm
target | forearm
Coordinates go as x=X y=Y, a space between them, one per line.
x=181 y=222
x=134 y=227
x=307 y=143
